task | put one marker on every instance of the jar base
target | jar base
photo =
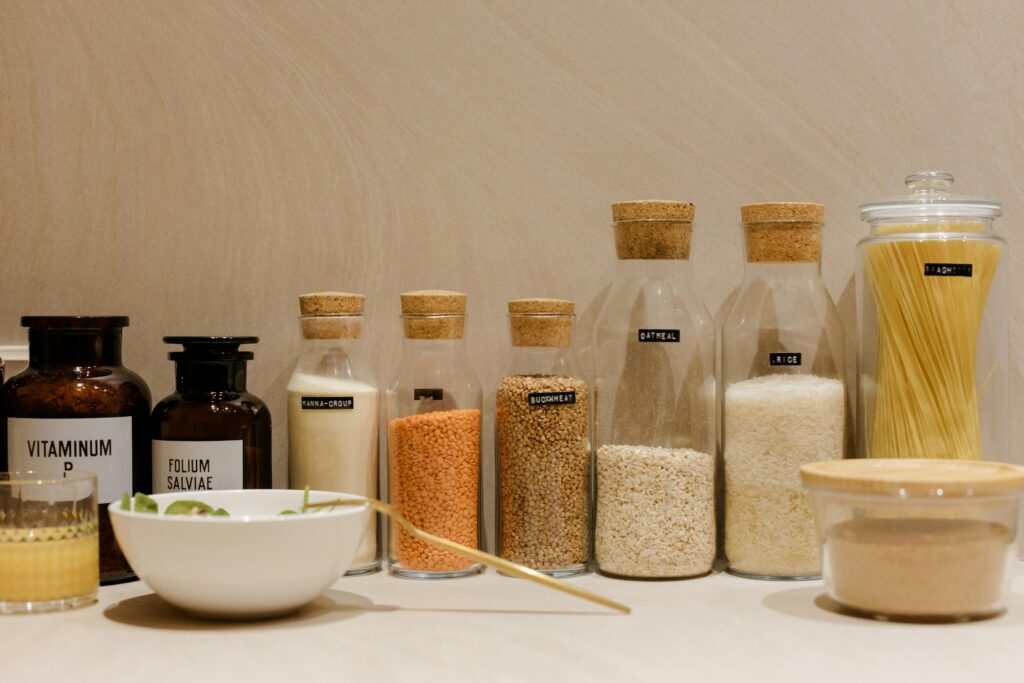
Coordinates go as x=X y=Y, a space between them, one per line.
x=402 y=572
x=771 y=577
x=566 y=573
x=40 y=606
x=874 y=615
x=681 y=577
x=364 y=570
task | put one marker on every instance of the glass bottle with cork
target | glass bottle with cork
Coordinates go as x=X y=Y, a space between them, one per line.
x=211 y=433
x=333 y=408
x=542 y=430
x=433 y=413
x=785 y=400
x=932 y=286
x=77 y=408
x=654 y=402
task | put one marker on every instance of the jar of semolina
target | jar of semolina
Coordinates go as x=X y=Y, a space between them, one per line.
x=333 y=410
x=433 y=419
x=542 y=434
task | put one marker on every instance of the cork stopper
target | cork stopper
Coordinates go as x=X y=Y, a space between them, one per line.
x=779 y=232
x=331 y=303
x=331 y=315
x=434 y=314
x=653 y=229
x=541 y=322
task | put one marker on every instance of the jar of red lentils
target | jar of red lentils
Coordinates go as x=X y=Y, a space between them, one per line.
x=433 y=416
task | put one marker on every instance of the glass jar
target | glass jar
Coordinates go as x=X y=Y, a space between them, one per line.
x=433 y=413
x=77 y=408
x=654 y=403
x=333 y=405
x=917 y=540
x=933 y=326
x=784 y=400
x=542 y=443
x=211 y=434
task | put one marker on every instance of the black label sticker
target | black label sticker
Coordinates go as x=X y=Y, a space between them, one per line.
x=428 y=394
x=785 y=359
x=551 y=398
x=658 y=335
x=949 y=269
x=328 y=402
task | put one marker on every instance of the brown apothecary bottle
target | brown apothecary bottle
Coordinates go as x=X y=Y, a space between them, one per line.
x=211 y=433
x=77 y=408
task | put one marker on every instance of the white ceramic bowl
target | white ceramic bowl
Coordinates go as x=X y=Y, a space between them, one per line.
x=255 y=563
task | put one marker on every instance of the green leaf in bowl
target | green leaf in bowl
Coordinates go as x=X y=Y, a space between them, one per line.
x=188 y=507
x=144 y=503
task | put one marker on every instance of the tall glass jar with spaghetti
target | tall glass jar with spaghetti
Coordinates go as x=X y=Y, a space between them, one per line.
x=784 y=398
x=932 y=283
x=433 y=414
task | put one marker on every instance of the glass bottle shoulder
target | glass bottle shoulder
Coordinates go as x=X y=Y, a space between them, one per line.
x=70 y=390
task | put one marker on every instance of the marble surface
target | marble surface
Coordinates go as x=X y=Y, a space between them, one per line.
x=492 y=628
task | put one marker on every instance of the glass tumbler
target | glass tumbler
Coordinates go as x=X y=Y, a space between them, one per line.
x=49 y=542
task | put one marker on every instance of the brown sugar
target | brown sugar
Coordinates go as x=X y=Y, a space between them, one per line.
x=919 y=568
x=435 y=468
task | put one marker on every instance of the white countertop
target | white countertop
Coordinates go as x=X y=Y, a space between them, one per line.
x=492 y=628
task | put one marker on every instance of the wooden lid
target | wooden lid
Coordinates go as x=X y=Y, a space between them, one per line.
x=915 y=477
x=652 y=210
x=434 y=314
x=331 y=303
x=541 y=322
x=783 y=212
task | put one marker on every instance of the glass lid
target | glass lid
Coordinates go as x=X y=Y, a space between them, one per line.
x=929 y=196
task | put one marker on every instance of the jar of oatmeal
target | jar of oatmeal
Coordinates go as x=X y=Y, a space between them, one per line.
x=654 y=402
x=433 y=414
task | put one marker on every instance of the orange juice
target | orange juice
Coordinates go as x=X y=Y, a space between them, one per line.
x=49 y=563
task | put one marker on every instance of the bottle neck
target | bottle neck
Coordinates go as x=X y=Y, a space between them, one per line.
x=210 y=378
x=793 y=271
x=542 y=360
x=74 y=348
x=646 y=268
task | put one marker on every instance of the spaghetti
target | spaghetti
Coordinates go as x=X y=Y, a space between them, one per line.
x=929 y=317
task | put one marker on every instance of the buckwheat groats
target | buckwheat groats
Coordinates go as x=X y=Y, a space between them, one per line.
x=544 y=465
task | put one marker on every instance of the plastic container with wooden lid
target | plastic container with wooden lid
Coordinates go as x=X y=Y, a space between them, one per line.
x=917 y=539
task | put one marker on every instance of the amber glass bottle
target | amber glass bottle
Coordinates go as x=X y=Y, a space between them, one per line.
x=76 y=408
x=211 y=433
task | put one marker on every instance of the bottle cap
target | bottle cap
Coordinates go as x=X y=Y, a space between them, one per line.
x=541 y=322
x=434 y=314
x=929 y=196
x=211 y=349
x=653 y=229
x=781 y=232
x=331 y=315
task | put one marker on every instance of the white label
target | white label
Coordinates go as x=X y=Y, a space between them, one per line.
x=59 y=446
x=196 y=465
